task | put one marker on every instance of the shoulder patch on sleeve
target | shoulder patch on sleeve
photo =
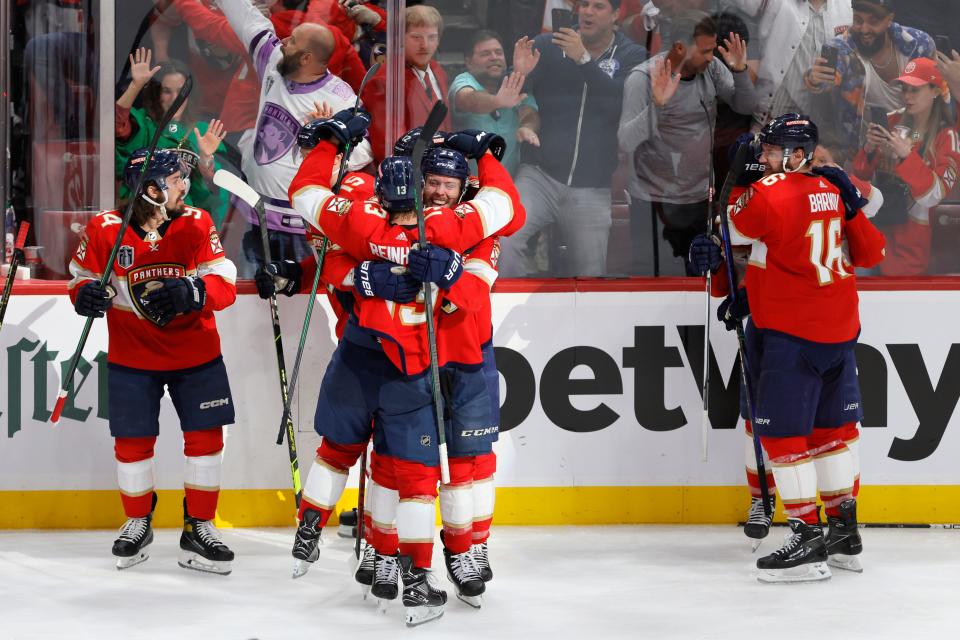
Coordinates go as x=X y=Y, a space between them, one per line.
x=742 y=201
x=463 y=209
x=338 y=205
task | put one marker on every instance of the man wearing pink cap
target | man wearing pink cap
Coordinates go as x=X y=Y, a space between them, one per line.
x=920 y=152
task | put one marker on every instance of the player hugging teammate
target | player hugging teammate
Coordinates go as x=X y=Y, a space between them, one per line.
x=806 y=231
x=377 y=384
x=170 y=276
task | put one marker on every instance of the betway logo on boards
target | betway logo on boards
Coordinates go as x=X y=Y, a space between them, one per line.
x=32 y=371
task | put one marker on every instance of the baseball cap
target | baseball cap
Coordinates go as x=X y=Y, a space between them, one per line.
x=878 y=7
x=921 y=71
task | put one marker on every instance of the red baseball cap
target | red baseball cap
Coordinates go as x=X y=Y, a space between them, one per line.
x=921 y=71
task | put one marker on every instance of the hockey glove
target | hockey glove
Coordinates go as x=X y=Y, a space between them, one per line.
x=385 y=280
x=93 y=300
x=731 y=313
x=705 y=254
x=436 y=264
x=342 y=129
x=176 y=296
x=278 y=277
x=404 y=146
x=473 y=143
x=853 y=200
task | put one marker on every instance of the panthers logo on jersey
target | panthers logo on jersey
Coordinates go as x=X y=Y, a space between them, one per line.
x=143 y=280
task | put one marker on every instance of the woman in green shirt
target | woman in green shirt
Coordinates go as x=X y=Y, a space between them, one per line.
x=135 y=127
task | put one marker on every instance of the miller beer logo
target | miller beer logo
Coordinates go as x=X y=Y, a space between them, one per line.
x=125 y=256
x=147 y=278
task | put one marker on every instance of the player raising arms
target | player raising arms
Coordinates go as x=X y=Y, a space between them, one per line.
x=170 y=276
x=807 y=232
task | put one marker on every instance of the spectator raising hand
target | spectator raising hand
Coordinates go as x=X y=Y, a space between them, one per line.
x=208 y=144
x=525 y=56
x=734 y=52
x=510 y=94
x=663 y=82
x=140 y=74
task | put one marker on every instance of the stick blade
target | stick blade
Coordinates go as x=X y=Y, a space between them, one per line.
x=235 y=185
x=58 y=408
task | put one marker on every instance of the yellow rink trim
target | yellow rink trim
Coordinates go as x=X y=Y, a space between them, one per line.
x=938 y=504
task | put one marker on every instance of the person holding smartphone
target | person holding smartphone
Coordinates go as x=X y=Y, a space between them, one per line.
x=793 y=34
x=576 y=77
x=921 y=149
x=871 y=56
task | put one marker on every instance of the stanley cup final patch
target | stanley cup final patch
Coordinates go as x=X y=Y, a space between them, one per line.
x=125 y=256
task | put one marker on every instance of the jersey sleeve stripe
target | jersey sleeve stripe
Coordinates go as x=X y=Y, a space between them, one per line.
x=482 y=270
x=309 y=202
x=223 y=268
x=265 y=52
x=495 y=208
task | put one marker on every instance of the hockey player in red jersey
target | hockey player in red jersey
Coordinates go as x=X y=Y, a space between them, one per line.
x=170 y=276
x=807 y=233
x=400 y=332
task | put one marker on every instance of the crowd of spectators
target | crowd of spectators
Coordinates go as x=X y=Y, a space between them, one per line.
x=618 y=113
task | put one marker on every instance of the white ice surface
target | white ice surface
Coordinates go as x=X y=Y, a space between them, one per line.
x=550 y=582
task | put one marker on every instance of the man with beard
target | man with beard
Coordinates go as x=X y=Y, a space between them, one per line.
x=484 y=97
x=871 y=56
x=669 y=111
x=294 y=79
x=576 y=76
x=169 y=277
x=424 y=79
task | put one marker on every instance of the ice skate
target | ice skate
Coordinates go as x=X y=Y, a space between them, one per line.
x=348 y=524
x=133 y=545
x=363 y=572
x=481 y=555
x=802 y=558
x=386 y=580
x=201 y=547
x=463 y=572
x=306 y=543
x=422 y=600
x=843 y=539
x=757 y=526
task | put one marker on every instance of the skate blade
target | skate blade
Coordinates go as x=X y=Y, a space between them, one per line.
x=418 y=615
x=474 y=601
x=755 y=544
x=300 y=568
x=134 y=560
x=347 y=532
x=191 y=560
x=813 y=572
x=845 y=562
x=382 y=604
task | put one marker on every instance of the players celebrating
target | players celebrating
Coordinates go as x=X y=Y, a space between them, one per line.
x=807 y=233
x=169 y=278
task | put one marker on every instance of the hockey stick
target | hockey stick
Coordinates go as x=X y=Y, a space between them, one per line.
x=705 y=391
x=437 y=114
x=320 y=256
x=735 y=168
x=230 y=182
x=361 y=495
x=67 y=383
x=15 y=262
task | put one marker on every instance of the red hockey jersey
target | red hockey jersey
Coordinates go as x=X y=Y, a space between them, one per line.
x=337 y=263
x=363 y=230
x=931 y=177
x=188 y=245
x=800 y=276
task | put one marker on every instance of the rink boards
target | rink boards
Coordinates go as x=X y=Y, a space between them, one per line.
x=602 y=414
